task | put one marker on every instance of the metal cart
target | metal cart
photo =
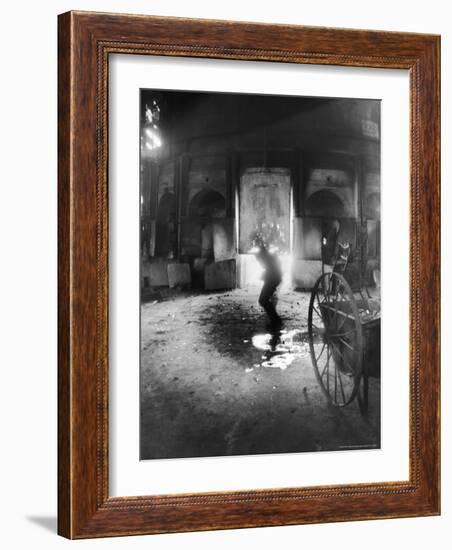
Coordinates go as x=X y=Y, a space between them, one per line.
x=344 y=326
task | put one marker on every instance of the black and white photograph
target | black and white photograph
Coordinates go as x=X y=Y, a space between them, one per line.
x=208 y=209
x=259 y=274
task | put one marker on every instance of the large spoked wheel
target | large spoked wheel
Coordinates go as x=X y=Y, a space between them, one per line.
x=335 y=338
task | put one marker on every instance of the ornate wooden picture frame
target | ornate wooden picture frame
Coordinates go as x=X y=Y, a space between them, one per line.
x=86 y=41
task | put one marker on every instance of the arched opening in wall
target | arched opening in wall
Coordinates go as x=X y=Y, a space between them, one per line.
x=165 y=235
x=325 y=204
x=208 y=203
x=372 y=206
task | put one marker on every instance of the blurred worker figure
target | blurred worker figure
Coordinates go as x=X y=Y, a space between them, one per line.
x=272 y=277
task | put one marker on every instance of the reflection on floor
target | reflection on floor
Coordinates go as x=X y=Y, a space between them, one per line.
x=217 y=380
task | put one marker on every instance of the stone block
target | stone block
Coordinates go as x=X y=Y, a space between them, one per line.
x=240 y=270
x=179 y=275
x=157 y=271
x=220 y=275
x=145 y=273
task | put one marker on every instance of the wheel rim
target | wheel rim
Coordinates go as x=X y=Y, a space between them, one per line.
x=335 y=338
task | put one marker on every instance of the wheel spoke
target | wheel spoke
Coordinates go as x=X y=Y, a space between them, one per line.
x=334 y=324
x=321 y=351
x=335 y=383
x=338 y=288
x=317 y=311
x=341 y=386
x=345 y=343
x=344 y=318
x=328 y=372
x=339 y=334
x=344 y=358
x=324 y=370
x=335 y=315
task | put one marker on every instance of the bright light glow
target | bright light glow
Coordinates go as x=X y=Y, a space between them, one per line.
x=151 y=130
x=253 y=270
x=149 y=116
x=152 y=113
x=280 y=352
x=152 y=138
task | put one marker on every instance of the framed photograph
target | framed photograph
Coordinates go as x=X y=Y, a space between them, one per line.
x=248 y=275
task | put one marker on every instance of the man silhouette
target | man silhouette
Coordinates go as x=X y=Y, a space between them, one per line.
x=272 y=277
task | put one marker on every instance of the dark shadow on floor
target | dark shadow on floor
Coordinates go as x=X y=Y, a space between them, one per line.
x=49 y=523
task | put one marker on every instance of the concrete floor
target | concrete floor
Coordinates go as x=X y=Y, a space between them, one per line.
x=209 y=388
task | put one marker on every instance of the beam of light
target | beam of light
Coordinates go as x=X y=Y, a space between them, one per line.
x=152 y=113
x=149 y=115
x=254 y=271
x=153 y=140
